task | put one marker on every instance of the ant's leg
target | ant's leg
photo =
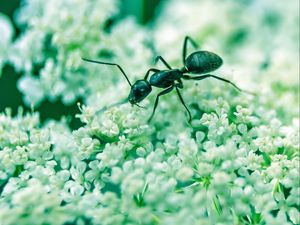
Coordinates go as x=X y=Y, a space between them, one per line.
x=150 y=70
x=182 y=101
x=187 y=77
x=111 y=64
x=186 y=39
x=179 y=84
x=157 y=98
x=164 y=61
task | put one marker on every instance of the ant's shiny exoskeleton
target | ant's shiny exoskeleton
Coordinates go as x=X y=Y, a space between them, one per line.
x=199 y=62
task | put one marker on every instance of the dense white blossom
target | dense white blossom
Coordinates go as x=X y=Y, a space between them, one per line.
x=50 y=49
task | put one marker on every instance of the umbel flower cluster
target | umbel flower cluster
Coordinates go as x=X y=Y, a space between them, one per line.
x=237 y=162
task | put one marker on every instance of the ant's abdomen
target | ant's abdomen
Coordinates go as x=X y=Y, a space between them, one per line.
x=203 y=62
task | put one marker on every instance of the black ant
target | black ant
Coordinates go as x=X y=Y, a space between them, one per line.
x=199 y=62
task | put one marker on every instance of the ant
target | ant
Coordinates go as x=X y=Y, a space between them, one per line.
x=199 y=62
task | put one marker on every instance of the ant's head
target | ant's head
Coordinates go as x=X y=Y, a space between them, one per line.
x=139 y=90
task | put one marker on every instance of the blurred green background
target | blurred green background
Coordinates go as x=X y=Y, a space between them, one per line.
x=142 y=10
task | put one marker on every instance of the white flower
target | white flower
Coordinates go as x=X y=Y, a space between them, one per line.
x=184 y=174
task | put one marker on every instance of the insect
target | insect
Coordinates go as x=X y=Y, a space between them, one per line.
x=199 y=62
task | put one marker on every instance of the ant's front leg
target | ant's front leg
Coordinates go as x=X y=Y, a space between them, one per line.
x=169 y=89
x=150 y=70
x=194 y=44
x=179 y=84
x=163 y=61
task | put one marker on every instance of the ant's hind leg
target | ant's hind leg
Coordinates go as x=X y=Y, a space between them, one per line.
x=187 y=77
x=163 y=61
x=183 y=103
x=157 y=99
x=194 y=44
x=150 y=70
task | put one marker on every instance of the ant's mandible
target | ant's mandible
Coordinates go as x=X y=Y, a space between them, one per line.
x=199 y=62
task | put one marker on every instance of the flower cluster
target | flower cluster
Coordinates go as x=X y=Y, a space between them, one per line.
x=50 y=49
x=231 y=165
x=226 y=28
x=237 y=162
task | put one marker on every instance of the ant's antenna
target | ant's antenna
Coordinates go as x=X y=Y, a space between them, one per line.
x=112 y=64
x=121 y=102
